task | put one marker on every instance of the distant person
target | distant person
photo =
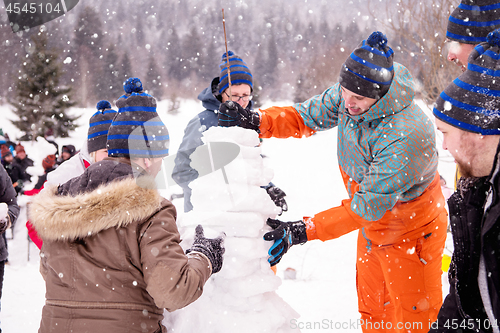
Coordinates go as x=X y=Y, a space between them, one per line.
x=24 y=162
x=112 y=260
x=11 y=145
x=13 y=169
x=211 y=98
x=67 y=152
x=48 y=165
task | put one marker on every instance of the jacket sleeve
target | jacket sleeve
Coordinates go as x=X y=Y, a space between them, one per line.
x=67 y=170
x=282 y=122
x=183 y=173
x=173 y=279
x=303 y=119
x=334 y=222
x=8 y=195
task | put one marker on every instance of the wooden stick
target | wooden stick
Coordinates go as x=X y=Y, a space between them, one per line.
x=227 y=56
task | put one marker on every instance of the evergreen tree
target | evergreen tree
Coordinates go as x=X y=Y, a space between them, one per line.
x=153 y=79
x=355 y=36
x=139 y=33
x=88 y=30
x=87 y=49
x=125 y=70
x=336 y=35
x=10 y=48
x=110 y=82
x=174 y=56
x=301 y=93
x=209 y=60
x=191 y=49
x=40 y=102
x=272 y=60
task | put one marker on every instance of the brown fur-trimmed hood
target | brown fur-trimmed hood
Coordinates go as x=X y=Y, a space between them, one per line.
x=115 y=204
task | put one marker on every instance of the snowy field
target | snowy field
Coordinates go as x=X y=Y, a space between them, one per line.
x=323 y=293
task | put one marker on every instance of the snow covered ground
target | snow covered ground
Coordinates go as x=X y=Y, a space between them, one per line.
x=324 y=292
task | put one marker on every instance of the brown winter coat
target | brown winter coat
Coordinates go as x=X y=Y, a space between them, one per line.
x=111 y=258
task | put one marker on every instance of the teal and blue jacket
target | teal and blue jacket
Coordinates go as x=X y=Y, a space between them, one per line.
x=387 y=157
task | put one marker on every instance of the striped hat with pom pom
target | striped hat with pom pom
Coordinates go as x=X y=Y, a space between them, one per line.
x=239 y=71
x=137 y=130
x=472 y=20
x=99 y=125
x=369 y=69
x=472 y=101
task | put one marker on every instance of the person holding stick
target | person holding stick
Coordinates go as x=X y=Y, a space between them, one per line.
x=235 y=84
x=388 y=160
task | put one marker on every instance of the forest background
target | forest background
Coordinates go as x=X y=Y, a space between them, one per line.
x=295 y=48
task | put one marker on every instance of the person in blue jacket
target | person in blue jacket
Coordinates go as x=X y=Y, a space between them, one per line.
x=211 y=98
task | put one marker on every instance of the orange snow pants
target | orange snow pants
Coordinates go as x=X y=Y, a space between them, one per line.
x=399 y=285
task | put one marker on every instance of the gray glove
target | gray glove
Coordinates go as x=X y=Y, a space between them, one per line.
x=213 y=249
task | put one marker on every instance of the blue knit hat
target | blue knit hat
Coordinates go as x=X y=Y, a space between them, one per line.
x=472 y=101
x=369 y=69
x=137 y=130
x=472 y=20
x=240 y=73
x=99 y=125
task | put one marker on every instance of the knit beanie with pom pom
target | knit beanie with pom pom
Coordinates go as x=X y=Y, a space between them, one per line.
x=472 y=101
x=369 y=69
x=137 y=130
x=99 y=125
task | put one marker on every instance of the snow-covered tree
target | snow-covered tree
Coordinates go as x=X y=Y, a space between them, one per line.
x=173 y=56
x=125 y=70
x=110 y=82
x=87 y=49
x=419 y=30
x=153 y=78
x=40 y=102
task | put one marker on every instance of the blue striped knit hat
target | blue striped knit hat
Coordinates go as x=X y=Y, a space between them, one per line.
x=240 y=73
x=472 y=101
x=137 y=130
x=99 y=125
x=472 y=20
x=369 y=69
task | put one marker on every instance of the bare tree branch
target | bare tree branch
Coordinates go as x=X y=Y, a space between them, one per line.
x=418 y=30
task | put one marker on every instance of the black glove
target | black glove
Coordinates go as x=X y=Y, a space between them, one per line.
x=278 y=197
x=212 y=248
x=233 y=114
x=249 y=119
x=229 y=114
x=285 y=234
